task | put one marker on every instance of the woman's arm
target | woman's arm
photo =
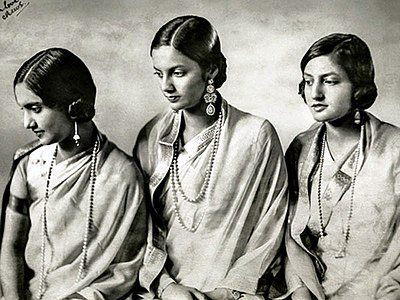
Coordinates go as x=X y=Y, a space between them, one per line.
x=12 y=262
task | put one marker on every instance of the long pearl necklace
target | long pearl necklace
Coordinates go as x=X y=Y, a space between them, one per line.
x=346 y=234
x=89 y=222
x=176 y=185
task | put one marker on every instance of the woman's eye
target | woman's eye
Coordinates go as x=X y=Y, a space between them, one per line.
x=158 y=74
x=36 y=109
x=330 y=82
x=308 y=82
x=179 y=73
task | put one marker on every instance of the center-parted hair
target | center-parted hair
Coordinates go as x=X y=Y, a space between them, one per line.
x=196 y=38
x=62 y=81
x=354 y=56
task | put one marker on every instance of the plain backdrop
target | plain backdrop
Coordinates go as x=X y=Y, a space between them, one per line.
x=262 y=40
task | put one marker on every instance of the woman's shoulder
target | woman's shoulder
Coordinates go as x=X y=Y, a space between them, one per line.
x=26 y=149
x=305 y=137
x=384 y=131
x=250 y=123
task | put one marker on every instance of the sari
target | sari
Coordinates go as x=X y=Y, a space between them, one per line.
x=241 y=224
x=370 y=267
x=115 y=246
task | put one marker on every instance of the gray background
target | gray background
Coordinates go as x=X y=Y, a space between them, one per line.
x=262 y=40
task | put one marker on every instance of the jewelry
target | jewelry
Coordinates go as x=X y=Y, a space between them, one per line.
x=176 y=185
x=210 y=97
x=76 y=136
x=357 y=117
x=346 y=234
x=88 y=228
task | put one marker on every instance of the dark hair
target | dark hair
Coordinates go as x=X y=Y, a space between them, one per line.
x=353 y=55
x=62 y=81
x=196 y=38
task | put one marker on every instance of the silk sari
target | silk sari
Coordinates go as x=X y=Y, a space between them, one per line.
x=370 y=267
x=115 y=246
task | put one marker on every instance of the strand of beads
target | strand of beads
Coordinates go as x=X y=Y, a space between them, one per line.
x=89 y=214
x=176 y=185
x=346 y=234
x=42 y=275
x=200 y=196
x=88 y=227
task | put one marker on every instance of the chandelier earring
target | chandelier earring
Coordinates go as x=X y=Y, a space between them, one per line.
x=76 y=136
x=210 y=97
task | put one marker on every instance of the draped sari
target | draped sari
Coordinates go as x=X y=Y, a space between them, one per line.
x=238 y=241
x=115 y=246
x=370 y=267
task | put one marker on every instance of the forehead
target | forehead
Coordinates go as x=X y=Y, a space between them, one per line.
x=25 y=96
x=323 y=65
x=167 y=57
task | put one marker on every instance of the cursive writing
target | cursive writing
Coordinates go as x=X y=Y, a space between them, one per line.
x=12 y=7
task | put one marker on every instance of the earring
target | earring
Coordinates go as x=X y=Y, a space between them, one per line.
x=76 y=136
x=357 y=117
x=210 y=97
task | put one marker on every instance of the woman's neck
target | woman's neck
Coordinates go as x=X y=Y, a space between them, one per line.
x=68 y=148
x=342 y=135
x=195 y=121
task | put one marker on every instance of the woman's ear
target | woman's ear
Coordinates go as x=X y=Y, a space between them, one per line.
x=74 y=110
x=212 y=72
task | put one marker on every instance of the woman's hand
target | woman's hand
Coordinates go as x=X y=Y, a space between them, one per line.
x=220 y=294
x=301 y=294
x=180 y=292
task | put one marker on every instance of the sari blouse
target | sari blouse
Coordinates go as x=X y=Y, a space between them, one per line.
x=370 y=267
x=237 y=243
x=116 y=240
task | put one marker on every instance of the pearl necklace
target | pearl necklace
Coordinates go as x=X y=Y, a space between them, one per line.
x=89 y=222
x=346 y=234
x=176 y=185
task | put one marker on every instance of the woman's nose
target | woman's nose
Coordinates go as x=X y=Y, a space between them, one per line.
x=29 y=122
x=317 y=91
x=166 y=84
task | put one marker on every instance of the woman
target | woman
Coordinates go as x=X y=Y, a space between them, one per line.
x=74 y=224
x=216 y=177
x=343 y=180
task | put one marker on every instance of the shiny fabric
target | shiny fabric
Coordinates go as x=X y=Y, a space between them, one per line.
x=115 y=248
x=237 y=244
x=370 y=268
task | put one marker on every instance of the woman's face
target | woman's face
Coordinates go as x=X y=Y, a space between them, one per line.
x=48 y=124
x=328 y=90
x=181 y=79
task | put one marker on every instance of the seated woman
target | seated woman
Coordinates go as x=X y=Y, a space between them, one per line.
x=216 y=176
x=75 y=219
x=344 y=182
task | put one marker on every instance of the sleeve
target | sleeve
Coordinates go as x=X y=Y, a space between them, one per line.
x=252 y=272
x=18 y=187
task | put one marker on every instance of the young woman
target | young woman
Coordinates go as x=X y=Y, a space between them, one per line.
x=216 y=176
x=344 y=182
x=75 y=221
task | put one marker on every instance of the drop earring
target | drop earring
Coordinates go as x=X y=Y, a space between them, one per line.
x=76 y=136
x=357 y=117
x=210 y=97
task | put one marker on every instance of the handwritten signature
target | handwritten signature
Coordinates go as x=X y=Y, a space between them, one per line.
x=10 y=8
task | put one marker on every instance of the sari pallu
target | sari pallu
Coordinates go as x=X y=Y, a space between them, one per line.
x=249 y=183
x=373 y=264
x=115 y=247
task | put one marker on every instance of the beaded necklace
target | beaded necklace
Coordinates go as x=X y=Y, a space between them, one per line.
x=89 y=222
x=176 y=185
x=346 y=234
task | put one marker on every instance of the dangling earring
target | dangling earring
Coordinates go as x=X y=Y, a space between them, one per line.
x=76 y=136
x=357 y=117
x=210 y=97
